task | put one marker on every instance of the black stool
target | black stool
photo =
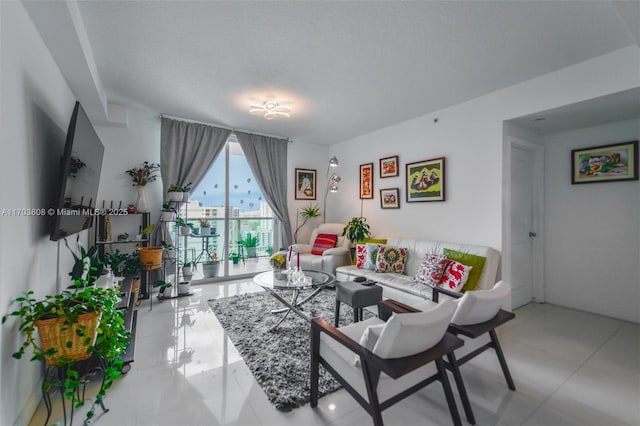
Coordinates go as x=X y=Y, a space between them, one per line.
x=357 y=296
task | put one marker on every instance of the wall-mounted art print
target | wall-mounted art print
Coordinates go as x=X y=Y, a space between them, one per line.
x=366 y=181
x=389 y=167
x=305 y=184
x=390 y=198
x=425 y=180
x=606 y=163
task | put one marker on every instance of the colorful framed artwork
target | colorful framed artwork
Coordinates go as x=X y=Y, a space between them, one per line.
x=389 y=167
x=305 y=184
x=425 y=180
x=390 y=198
x=366 y=181
x=606 y=163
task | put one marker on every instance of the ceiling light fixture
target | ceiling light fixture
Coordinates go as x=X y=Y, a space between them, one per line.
x=271 y=110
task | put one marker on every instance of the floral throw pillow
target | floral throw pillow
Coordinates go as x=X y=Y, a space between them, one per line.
x=371 y=255
x=455 y=276
x=391 y=259
x=361 y=254
x=431 y=269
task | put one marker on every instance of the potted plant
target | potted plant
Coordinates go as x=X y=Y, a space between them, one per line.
x=174 y=192
x=186 y=192
x=250 y=243
x=163 y=286
x=141 y=176
x=205 y=227
x=187 y=269
x=168 y=213
x=78 y=323
x=356 y=230
x=186 y=228
x=169 y=250
x=235 y=257
x=87 y=265
x=309 y=212
x=211 y=267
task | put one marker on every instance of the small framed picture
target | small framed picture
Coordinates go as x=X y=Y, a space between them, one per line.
x=305 y=184
x=389 y=167
x=390 y=198
x=425 y=180
x=366 y=181
x=606 y=163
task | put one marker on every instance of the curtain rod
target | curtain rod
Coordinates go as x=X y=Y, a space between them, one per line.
x=233 y=129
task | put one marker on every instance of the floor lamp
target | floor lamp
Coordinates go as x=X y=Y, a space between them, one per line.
x=332 y=185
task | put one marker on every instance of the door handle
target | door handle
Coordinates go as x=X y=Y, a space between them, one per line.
x=532 y=234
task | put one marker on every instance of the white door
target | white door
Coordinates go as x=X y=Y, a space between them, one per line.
x=522 y=225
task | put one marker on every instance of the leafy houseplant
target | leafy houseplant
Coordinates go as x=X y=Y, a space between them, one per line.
x=250 y=243
x=85 y=322
x=175 y=192
x=205 y=226
x=235 y=257
x=211 y=267
x=142 y=175
x=185 y=227
x=356 y=230
x=307 y=213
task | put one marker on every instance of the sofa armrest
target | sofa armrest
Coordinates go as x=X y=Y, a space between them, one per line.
x=336 y=251
x=301 y=248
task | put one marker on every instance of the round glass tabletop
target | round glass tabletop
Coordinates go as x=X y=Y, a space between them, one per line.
x=280 y=281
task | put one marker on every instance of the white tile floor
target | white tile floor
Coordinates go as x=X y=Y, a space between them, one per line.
x=570 y=368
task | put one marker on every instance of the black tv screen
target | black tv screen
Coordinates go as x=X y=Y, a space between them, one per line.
x=80 y=168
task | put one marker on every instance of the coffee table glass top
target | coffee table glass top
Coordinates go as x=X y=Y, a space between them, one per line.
x=318 y=279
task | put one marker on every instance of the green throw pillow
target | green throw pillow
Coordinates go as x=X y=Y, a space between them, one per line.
x=368 y=240
x=476 y=262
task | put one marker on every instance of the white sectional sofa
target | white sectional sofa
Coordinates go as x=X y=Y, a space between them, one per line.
x=402 y=287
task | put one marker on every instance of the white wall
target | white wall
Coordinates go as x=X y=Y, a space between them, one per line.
x=125 y=148
x=35 y=107
x=470 y=136
x=307 y=156
x=592 y=242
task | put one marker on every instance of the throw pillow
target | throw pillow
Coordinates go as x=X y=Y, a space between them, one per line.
x=381 y=241
x=361 y=254
x=391 y=259
x=323 y=242
x=371 y=256
x=409 y=334
x=431 y=269
x=455 y=275
x=477 y=262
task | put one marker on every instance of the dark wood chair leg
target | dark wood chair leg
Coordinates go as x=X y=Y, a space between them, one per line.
x=502 y=360
x=446 y=386
x=371 y=383
x=315 y=366
x=466 y=404
x=337 y=315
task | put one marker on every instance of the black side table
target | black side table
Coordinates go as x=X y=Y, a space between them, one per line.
x=357 y=296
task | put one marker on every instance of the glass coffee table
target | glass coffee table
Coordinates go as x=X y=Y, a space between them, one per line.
x=319 y=280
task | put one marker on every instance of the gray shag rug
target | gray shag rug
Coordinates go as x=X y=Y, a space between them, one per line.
x=280 y=359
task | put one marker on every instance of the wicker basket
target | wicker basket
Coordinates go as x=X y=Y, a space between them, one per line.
x=71 y=342
x=150 y=257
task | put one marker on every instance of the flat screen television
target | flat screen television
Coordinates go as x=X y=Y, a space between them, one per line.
x=80 y=168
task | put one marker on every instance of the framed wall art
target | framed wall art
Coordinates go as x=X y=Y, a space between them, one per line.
x=606 y=163
x=426 y=180
x=389 y=167
x=305 y=184
x=366 y=181
x=390 y=198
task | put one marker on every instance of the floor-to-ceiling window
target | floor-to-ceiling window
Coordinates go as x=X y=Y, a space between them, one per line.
x=240 y=235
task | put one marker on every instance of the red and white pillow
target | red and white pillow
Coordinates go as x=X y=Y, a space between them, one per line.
x=367 y=255
x=323 y=242
x=432 y=269
x=455 y=275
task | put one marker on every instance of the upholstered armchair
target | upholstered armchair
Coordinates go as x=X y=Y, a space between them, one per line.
x=380 y=363
x=478 y=314
x=327 y=260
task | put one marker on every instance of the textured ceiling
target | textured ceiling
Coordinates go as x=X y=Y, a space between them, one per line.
x=347 y=68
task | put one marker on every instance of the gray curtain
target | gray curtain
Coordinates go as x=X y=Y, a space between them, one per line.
x=187 y=151
x=267 y=158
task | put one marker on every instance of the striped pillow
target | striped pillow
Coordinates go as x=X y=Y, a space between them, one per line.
x=324 y=242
